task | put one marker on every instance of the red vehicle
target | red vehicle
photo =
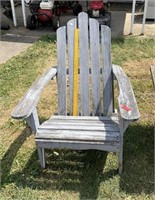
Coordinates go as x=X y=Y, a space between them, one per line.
x=48 y=12
x=97 y=10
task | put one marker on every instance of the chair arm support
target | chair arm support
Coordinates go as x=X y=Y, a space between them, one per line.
x=126 y=100
x=29 y=101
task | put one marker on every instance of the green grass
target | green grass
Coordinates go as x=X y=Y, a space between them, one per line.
x=75 y=174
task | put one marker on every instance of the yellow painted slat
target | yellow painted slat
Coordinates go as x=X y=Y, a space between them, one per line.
x=75 y=74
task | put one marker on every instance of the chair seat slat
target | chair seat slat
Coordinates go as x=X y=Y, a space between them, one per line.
x=72 y=135
x=113 y=117
x=85 y=123
x=78 y=131
x=80 y=127
x=47 y=132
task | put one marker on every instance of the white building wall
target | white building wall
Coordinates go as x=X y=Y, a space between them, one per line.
x=151 y=10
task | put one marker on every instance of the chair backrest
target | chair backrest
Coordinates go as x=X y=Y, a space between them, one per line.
x=95 y=70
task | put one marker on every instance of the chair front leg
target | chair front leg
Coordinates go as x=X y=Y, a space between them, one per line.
x=33 y=121
x=123 y=126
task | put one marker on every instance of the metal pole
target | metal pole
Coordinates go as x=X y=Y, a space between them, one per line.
x=24 y=13
x=144 y=16
x=13 y=12
x=132 y=16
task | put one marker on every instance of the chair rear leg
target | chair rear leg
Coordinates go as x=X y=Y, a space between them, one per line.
x=41 y=154
x=120 y=160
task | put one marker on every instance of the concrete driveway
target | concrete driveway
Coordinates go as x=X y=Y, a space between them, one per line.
x=13 y=44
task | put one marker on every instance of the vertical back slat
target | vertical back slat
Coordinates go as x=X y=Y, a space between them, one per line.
x=61 y=48
x=107 y=69
x=71 y=26
x=84 y=63
x=95 y=64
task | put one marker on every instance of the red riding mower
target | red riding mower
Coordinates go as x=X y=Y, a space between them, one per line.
x=42 y=11
x=96 y=9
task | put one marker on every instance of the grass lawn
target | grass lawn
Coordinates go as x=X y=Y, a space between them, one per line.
x=75 y=174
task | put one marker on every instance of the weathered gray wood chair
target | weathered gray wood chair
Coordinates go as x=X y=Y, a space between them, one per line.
x=97 y=126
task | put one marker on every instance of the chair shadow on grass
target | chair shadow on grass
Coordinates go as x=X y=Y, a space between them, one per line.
x=82 y=171
x=138 y=165
x=9 y=156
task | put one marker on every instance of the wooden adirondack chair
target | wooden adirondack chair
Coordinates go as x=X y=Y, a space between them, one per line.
x=97 y=126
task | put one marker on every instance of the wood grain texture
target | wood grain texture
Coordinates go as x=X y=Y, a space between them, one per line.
x=126 y=97
x=70 y=128
x=29 y=101
x=84 y=64
x=95 y=65
x=95 y=119
x=68 y=135
x=61 y=54
x=71 y=26
x=33 y=121
x=107 y=69
x=120 y=158
x=77 y=145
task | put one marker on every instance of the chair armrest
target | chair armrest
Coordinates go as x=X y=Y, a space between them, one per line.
x=29 y=101
x=126 y=100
